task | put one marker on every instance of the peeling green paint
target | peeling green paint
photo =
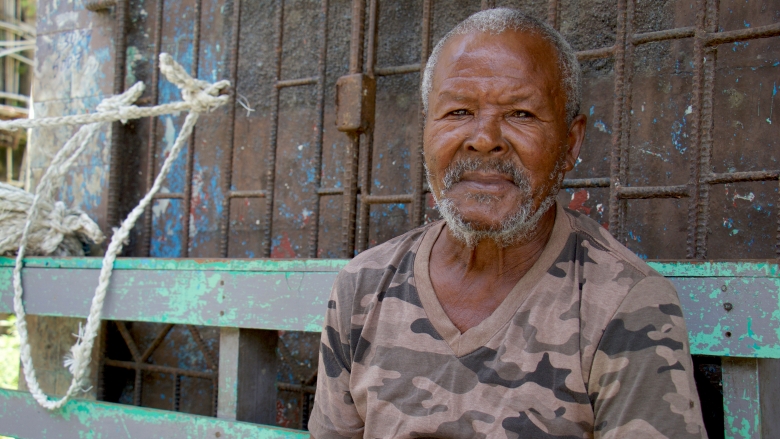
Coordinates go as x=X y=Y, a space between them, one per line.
x=716 y=268
x=20 y=416
x=292 y=295
x=276 y=265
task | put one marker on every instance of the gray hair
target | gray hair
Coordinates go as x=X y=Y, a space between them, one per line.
x=496 y=21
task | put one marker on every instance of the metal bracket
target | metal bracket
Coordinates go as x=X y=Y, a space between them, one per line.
x=355 y=102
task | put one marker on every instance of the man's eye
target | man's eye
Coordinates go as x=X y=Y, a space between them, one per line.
x=459 y=113
x=520 y=114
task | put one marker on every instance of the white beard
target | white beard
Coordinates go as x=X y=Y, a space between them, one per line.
x=514 y=228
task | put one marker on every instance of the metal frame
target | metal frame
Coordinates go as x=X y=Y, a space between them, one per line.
x=706 y=39
x=358 y=155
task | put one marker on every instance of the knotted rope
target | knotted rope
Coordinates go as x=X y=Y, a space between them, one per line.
x=198 y=97
x=59 y=231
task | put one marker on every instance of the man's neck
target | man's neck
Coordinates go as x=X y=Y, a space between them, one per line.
x=471 y=282
x=488 y=257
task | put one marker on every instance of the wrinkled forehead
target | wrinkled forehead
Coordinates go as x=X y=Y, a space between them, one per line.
x=513 y=53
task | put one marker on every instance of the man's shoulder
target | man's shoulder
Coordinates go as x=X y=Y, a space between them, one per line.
x=396 y=254
x=602 y=247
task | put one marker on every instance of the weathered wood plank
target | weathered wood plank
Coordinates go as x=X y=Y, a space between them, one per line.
x=731 y=308
x=247 y=356
x=741 y=402
x=293 y=300
x=173 y=264
x=21 y=416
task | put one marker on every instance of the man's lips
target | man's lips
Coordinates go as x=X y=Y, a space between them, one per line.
x=481 y=182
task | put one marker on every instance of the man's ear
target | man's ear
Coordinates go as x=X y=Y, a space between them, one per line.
x=574 y=140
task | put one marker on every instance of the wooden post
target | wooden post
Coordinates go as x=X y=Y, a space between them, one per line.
x=248 y=365
x=750 y=406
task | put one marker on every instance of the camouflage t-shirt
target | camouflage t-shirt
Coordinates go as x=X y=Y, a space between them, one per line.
x=591 y=342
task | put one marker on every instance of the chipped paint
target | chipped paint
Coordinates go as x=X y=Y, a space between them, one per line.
x=21 y=416
x=291 y=295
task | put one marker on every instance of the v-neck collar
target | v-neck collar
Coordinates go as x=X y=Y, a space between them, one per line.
x=467 y=342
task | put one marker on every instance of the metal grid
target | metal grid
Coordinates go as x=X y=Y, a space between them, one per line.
x=140 y=364
x=357 y=197
x=706 y=39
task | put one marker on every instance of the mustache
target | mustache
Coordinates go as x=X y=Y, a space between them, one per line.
x=456 y=169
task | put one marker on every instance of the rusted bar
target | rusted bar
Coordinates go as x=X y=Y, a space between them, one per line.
x=138 y=381
x=155 y=343
x=705 y=162
x=168 y=196
x=604 y=52
x=645 y=192
x=117 y=137
x=351 y=154
x=131 y=346
x=387 y=199
x=247 y=194
x=576 y=183
x=321 y=64
x=214 y=395
x=296 y=82
x=211 y=362
x=777 y=236
x=771 y=30
x=227 y=170
x=99 y=5
x=270 y=172
x=373 y=28
x=287 y=387
x=663 y=35
x=187 y=215
x=160 y=369
x=617 y=118
x=552 y=13
x=625 y=135
x=100 y=348
x=330 y=191
x=151 y=140
x=418 y=177
x=397 y=70
x=356 y=40
x=739 y=177
x=350 y=194
x=488 y=4
x=696 y=132
x=365 y=189
x=176 y=391
x=367 y=148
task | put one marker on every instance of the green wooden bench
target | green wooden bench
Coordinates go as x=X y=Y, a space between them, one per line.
x=731 y=308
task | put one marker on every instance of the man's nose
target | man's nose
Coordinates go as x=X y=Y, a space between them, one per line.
x=487 y=137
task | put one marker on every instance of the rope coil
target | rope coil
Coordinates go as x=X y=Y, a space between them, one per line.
x=198 y=97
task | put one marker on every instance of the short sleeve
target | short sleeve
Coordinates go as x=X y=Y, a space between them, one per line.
x=334 y=414
x=641 y=383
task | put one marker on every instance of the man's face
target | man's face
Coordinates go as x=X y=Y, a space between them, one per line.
x=496 y=140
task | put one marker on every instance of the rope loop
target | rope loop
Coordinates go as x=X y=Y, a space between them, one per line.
x=199 y=97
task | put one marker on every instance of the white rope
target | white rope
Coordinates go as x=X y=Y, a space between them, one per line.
x=199 y=96
x=58 y=231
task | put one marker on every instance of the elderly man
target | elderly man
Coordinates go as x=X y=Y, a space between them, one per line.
x=512 y=317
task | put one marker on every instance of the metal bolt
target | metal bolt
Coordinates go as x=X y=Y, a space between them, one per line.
x=728 y=306
x=724 y=288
